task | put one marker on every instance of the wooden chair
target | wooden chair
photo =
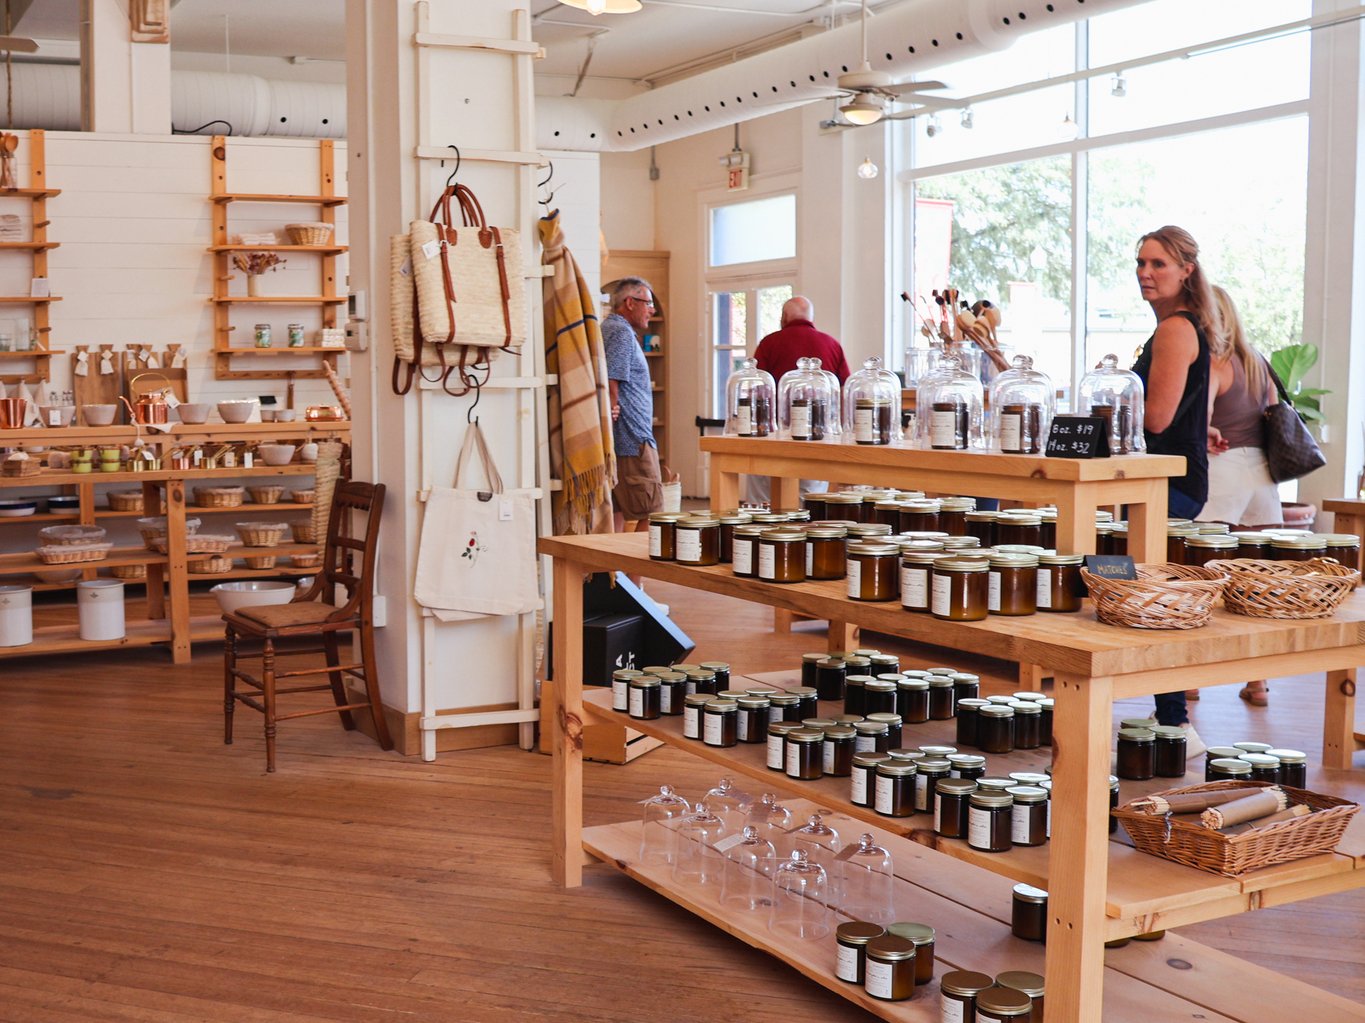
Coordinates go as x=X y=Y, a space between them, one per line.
x=315 y=612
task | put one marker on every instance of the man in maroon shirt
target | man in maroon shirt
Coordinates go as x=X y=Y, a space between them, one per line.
x=798 y=339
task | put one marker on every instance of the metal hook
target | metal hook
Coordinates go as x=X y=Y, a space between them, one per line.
x=469 y=416
x=451 y=180
x=544 y=184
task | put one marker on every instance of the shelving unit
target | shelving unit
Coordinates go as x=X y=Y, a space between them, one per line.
x=653 y=267
x=1094 y=665
x=37 y=248
x=227 y=356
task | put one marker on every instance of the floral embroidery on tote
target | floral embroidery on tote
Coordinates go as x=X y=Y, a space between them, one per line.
x=473 y=548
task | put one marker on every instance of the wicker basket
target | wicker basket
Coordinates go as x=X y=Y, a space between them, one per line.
x=154 y=529
x=1175 y=839
x=19 y=467
x=125 y=500
x=305 y=560
x=311 y=233
x=219 y=497
x=58 y=536
x=73 y=554
x=261 y=534
x=1286 y=589
x=128 y=571
x=215 y=565
x=1162 y=596
x=303 y=496
x=198 y=543
x=270 y=494
x=260 y=562
x=304 y=532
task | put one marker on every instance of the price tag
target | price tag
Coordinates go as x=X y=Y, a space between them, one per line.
x=1111 y=566
x=1078 y=437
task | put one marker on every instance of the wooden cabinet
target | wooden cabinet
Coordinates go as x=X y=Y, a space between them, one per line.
x=653 y=267
x=18 y=362
x=243 y=360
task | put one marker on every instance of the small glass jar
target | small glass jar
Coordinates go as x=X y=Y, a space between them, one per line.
x=959 y=990
x=855 y=693
x=863 y=778
x=879 y=697
x=1059 y=582
x=810 y=667
x=1228 y=769
x=851 y=938
x=912 y=700
x=620 y=687
x=672 y=692
x=895 y=788
x=1028 y=821
x=995 y=728
x=1264 y=767
x=721 y=669
x=920 y=516
x=844 y=506
x=1293 y=767
x=890 y=968
x=1026 y=983
x=960 y=589
x=782 y=556
x=990 y=821
x=699 y=680
x=728 y=522
x=1169 y=757
x=1219 y=753
x=1113 y=805
x=967 y=717
x=1341 y=547
x=777 y=743
x=808 y=402
x=1019 y=527
x=871 y=569
x=1028 y=724
x=720 y=723
x=661 y=535
x=922 y=935
x=808 y=701
x=1045 y=725
x=916 y=571
x=753 y=722
x=697 y=540
x=969 y=766
x=1028 y=916
x=784 y=707
x=872 y=737
x=893 y=727
x=981 y=524
x=744 y=550
x=941 y=695
x=872 y=404
x=966 y=686
x=950 y=806
x=838 y=751
x=1247 y=746
x=692 y=712
x=1175 y=542
x=930 y=771
x=1203 y=548
x=751 y=399
x=1003 y=1005
x=805 y=754
x=829 y=678
x=1136 y=754
x=1012 y=584
x=645 y=698
x=262 y=335
x=1297 y=548
x=825 y=552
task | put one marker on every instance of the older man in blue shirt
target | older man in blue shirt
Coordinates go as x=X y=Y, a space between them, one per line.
x=639 y=487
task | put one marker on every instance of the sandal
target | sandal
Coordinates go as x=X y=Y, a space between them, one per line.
x=1256 y=694
x=1191 y=695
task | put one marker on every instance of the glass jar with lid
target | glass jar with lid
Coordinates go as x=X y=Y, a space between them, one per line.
x=807 y=403
x=819 y=841
x=698 y=861
x=872 y=570
x=697 y=540
x=825 y=551
x=949 y=407
x=1022 y=400
x=867 y=882
x=1012 y=584
x=1115 y=395
x=662 y=817
x=750 y=401
x=801 y=897
x=959 y=589
x=872 y=404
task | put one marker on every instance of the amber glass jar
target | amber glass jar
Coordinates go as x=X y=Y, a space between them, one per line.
x=967 y=714
x=959 y=990
x=1344 y=547
x=1045 y=730
x=814 y=504
x=1028 y=820
x=1293 y=767
x=995 y=728
x=727 y=534
x=990 y=821
x=692 y=712
x=916 y=570
x=929 y=772
x=949 y=426
x=890 y=968
x=1175 y=542
x=699 y=680
x=744 y=549
x=952 y=514
x=981 y=524
x=1113 y=540
x=1019 y=527
x=720 y=723
x=644 y=698
x=697 y=540
x=851 y=940
x=968 y=766
x=855 y=692
x=805 y=754
x=838 y=750
x=1264 y=767
x=1168 y=759
x=871 y=736
x=923 y=937
x=661 y=535
x=863 y=779
x=872 y=570
x=809 y=667
x=1028 y=724
x=1297 y=548
x=777 y=743
x=782 y=556
x=950 y=806
x=887 y=513
x=1203 y=548
x=895 y=788
x=960 y=589
x=966 y=686
x=1049 y=517
x=809 y=701
x=912 y=700
x=1136 y=754
x=784 y=707
x=829 y=678
x=844 y=505
x=825 y=552
x=941 y=705
x=879 y=697
x=920 y=516
x=1028 y=917
x=1012 y=584
x=672 y=692
x=1059 y=582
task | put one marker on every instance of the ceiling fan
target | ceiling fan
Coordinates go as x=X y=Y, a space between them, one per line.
x=869 y=92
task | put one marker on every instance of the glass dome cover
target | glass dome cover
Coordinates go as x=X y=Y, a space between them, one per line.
x=866 y=884
x=808 y=402
x=872 y=404
x=748 y=881
x=1117 y=396
x=698 y=861
x=750 y=401
x=1023 y=401
x=801 y=898
x=950 y=403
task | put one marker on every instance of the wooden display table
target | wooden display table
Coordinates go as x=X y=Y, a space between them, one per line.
x=1093 y=665
x=1348 y=516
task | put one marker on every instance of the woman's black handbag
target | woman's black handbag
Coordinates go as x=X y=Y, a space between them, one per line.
x=1290 y=449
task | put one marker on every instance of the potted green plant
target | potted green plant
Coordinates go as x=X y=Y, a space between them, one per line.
x=1290 y=364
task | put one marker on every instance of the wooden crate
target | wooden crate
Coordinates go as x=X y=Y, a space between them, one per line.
x=606 y=743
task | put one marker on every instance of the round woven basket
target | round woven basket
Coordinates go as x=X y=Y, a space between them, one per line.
x=258 y=561
x=125 y=500
x=1161 y=597
x=1286 y=589
x=128 y=571
x=304 y=532
x=261 y=534
x=219 y=497
x=268 y=494
x=311 y=233
x=215 y=565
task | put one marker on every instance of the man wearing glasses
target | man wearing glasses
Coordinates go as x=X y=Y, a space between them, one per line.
x=639 y=487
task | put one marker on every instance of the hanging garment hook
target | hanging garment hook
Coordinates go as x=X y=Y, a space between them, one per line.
x=451 y=180
x=469 y=416
x=545 y=184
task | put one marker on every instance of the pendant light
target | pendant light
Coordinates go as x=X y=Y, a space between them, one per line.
x=595 y=7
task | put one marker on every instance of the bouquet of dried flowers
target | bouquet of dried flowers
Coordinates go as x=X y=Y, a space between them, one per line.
x=256 y=263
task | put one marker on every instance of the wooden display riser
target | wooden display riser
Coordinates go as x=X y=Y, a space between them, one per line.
x=973 y=933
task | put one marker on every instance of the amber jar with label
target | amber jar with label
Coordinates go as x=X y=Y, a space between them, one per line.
x=967 y=713
x=661 y=535
x=1203 y=548
x=672 y=692
x=949 y=423
x=829 y=678
x=1297 y=548
x=699 y=680
x=872 y=570
x=995 y=728
x=931 y=770
x=912 y=700
x=950 y=806
x=744 y=552
x=1012 y=585
x=920 y=516
x=805 y=753
x=825 y=552
x=895 y=788
x=720 y=723
x=890 y=968
x=782 y=556
x=692 y=711
x=1019 y=528
x=872 y=736
x=959 y=990
x=1028 y=724
x=893 y=727
x=644 y=698
x=989 y=821
x=1059 y=582
x=863 y=777
x=952 y=514
x=727 y=535
x=838 y=751
x=1028 y=819
x=784 y=707
x=851 y=939
x=916 y=571
x=1028 y=917
x=777 y=743
x=960 y=589
x=697 y=540
x=752 y=723
x=1136 y=754
x=922 y=935
x=969 y=766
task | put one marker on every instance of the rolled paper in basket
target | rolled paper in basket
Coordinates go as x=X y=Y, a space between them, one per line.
x=343 y=399
x=1301 y=810
x=1250 y=808
x=1191 y=802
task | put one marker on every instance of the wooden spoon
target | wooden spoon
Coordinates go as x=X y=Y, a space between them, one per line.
x=11 y=143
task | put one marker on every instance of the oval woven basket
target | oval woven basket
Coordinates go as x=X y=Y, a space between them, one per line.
x=1161 y=597
x=1286 y=589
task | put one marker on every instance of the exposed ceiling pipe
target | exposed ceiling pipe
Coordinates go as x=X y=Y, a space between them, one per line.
x=912 y=38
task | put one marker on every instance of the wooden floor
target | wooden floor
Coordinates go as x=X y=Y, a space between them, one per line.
x=150 y=873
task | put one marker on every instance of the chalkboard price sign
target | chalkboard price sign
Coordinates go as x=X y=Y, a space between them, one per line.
x=1078 y=437
x=1111 y=566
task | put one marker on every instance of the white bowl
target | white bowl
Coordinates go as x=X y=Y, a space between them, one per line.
x=237 y=410
x=278 y=454
x=286 y=415
x=99 y=415
x=252 y=593
x=63 y=414
x=193 y=412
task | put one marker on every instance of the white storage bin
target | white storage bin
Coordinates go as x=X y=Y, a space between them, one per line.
x=16 y=615
x=99 y=603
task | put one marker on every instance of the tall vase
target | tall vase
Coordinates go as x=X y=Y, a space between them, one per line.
x=253 y=282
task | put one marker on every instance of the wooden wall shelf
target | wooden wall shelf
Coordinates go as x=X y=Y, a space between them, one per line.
x=37 y=247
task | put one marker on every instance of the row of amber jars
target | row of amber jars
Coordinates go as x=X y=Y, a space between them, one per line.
x=1256 y=761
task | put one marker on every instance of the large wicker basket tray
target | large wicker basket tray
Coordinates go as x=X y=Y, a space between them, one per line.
x=1161 y=597
x=1286 y=589
x=1175 y=839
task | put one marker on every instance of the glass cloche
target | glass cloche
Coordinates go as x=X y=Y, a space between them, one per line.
x=750 y=401
x=808 y=402
x=1022 y=403
x=872 y=404
x=949 y=408
x=1116 y=395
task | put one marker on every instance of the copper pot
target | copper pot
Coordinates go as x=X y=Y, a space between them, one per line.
x=11 y=413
